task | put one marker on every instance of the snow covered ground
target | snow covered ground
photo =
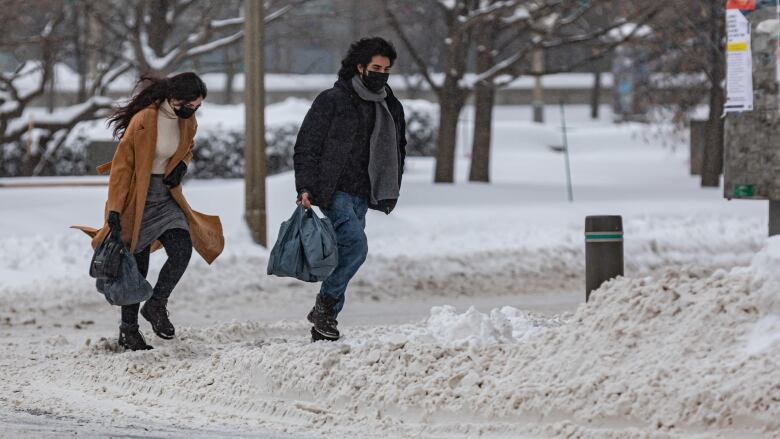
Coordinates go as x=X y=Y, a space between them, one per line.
x=686 y=345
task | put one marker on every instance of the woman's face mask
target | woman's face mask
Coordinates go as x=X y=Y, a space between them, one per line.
x=185 y=110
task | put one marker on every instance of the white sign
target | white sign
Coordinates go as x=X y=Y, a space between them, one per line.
x=739 y=63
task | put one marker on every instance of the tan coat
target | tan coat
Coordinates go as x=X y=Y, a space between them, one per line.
x=131 y=171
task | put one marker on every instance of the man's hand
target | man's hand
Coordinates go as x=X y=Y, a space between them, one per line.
x=304 y=199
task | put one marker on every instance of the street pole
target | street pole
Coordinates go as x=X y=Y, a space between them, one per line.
x=537 y=65
x=569 y=188
x=254 y=116
x=751 y=162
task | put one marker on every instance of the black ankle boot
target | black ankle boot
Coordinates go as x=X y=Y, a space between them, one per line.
x=154 y=310
x=130 y=338
x=323 y=317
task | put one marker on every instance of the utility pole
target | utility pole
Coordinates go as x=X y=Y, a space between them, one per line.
x=752 y=164
x=537 y=65
x=254 y=116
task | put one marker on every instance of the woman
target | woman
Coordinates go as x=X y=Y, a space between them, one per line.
x=145 y=201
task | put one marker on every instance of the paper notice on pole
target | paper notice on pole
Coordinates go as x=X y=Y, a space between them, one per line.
x=739 y=63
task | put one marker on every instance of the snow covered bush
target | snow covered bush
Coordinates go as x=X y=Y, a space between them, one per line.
x=69 y=159
x=219 y=150
x=280 y=145
x=219 y=153
x=421 y=127
x=11 y=159
x=66 y=160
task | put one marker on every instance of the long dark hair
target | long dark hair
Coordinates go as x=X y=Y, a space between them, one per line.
x=360 y=53
x=184 y=87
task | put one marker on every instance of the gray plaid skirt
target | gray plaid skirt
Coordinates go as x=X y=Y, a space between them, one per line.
x=161 y=213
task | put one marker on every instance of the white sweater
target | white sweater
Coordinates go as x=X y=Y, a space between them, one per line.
x=167 y=137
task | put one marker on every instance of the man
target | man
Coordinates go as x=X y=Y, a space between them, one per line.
x=349 y=157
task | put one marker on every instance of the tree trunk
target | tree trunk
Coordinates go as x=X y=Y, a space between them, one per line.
x=50 y=67
x=484 y=99
x=80 y=37
x=230 y=75
x=451 y=100
x=158 y=25
x=450 y=103
x=712 y=165
x=595 y=98
x=93 y=40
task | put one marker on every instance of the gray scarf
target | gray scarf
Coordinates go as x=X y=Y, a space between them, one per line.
x=383 y=159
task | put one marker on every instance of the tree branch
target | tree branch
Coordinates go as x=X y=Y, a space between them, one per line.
x=508 y=65
x=421 y=63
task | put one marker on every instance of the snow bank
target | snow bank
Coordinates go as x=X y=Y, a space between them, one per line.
x=663 y=354
x=673 y=354
x=683 y=352
x=765 y=333
x=505 y=325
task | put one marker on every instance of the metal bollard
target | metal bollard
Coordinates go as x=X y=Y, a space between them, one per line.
x=774 y=217
x=603 y=250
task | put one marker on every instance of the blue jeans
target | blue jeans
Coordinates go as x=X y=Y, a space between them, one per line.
x=348 y=215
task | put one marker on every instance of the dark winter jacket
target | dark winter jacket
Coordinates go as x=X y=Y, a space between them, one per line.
x=355 y=180
x=331 y=131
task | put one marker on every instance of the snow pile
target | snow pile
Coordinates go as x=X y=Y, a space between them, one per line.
x=506 y=325
x=765 y=266
x=766 y=282
x=671 y=354
x=664 y=354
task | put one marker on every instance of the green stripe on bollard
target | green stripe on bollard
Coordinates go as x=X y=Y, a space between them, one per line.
x=603 y=237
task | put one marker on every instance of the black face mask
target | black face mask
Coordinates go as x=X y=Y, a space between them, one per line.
x=375 y=81
x=184 y=112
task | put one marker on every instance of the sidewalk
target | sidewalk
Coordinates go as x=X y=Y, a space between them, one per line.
x=42 y=182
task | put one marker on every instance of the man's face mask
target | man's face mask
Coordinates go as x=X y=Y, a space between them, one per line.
x=375 y=81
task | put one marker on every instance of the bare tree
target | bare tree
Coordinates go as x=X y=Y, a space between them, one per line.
x=687 y=53
x=155 y=36
x=40 y=133
x=527 y=27
x=162 y=35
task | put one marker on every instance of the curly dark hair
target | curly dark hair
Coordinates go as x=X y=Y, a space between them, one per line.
x=360 y=53
x=183 y=87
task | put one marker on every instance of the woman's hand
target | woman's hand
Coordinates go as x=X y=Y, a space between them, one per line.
x=175 y=177
x=113 y=221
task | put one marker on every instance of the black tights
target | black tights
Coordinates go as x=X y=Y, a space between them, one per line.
x=178 y=246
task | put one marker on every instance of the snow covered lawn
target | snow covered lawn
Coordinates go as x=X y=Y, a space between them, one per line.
x=687 y=345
